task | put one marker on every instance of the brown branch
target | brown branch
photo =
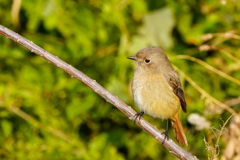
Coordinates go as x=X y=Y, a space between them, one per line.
x=127 y=110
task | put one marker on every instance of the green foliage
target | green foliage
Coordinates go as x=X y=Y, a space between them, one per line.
x=46 y=114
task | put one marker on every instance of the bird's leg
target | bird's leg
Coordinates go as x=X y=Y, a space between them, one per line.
x=140 y=114
x=166 y=133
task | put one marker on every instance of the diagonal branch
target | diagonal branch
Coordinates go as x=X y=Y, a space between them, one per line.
x=127 y=110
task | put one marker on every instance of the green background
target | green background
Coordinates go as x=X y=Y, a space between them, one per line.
x=46 y=114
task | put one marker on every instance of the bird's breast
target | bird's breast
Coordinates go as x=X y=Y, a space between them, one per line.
x=153 y=95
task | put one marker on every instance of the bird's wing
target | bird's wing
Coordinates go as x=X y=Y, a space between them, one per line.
x=174 y=81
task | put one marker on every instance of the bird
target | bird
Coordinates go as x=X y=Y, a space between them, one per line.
x=157 y=90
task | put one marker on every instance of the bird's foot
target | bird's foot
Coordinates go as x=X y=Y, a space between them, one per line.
x=138 y=115
x=166 y=136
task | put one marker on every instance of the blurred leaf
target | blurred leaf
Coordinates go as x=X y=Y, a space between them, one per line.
x=6 y=127
x=157 y=33
x=78 y=107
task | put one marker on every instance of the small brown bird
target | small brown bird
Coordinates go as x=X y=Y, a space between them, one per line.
x=157 y=89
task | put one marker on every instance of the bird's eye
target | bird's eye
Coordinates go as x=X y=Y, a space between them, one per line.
x=147 y=60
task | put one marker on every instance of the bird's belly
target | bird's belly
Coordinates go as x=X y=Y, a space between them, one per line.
x=154 y=96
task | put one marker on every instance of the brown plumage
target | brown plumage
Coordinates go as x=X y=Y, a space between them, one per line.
x=157 y=89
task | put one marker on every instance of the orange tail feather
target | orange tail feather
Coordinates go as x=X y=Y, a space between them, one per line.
x=178 y=130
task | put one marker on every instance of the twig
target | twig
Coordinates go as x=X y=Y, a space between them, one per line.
x=37 y=124
x=16 y=6
x=209 y=67
x=225 y=35
x=230 y=55
x=220 y=133
x=127 y=110
x=204 y=92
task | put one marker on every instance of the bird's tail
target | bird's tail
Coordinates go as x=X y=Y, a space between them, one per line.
x=178 y=130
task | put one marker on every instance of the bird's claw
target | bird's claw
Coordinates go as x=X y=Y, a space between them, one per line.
x=138 y=115
x=166 y=136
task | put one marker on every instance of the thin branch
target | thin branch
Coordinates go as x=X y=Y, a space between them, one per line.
x=225 y=35
x=47 y=128
x=228 y=35
x=230 y=55
x=16 y=6
x=37 y=124
x=204 y=92
x=215 y=151
x=222 y=128
x=127 y=110
x=209 y=67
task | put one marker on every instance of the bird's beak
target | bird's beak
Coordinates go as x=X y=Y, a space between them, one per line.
x=132 y=58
